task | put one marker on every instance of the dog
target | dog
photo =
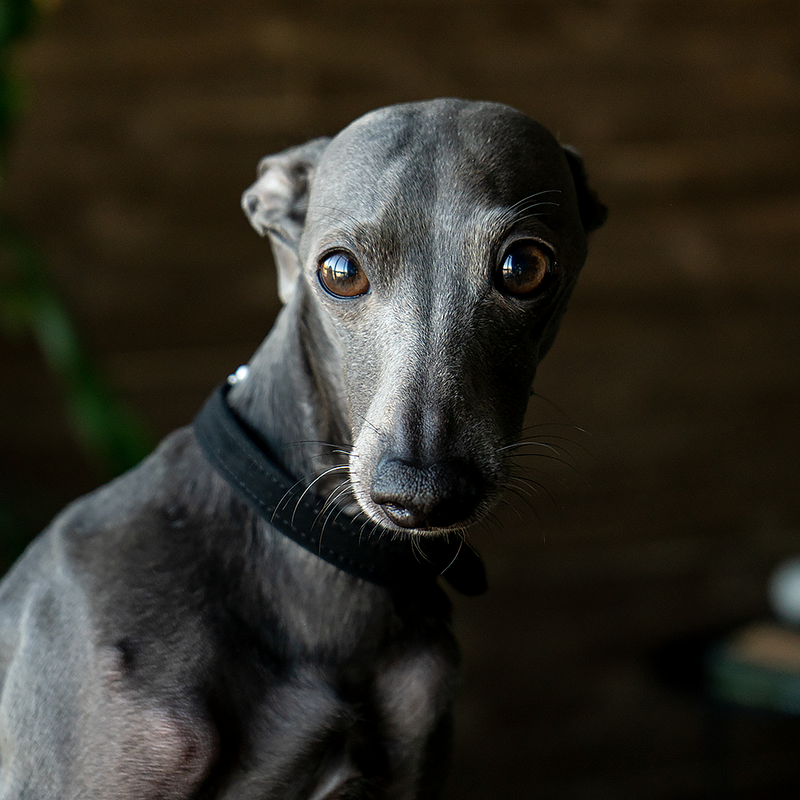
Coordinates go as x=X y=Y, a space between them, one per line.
x=255 y=610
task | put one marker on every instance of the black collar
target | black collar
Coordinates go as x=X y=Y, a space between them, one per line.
x=379 y=556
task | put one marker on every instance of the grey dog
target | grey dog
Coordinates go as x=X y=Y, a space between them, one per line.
x=163 y=638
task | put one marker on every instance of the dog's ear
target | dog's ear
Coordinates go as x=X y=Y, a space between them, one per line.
x=593 y=212
x=277 y=202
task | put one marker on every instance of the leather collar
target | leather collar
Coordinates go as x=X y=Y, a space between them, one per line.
x=377 y=555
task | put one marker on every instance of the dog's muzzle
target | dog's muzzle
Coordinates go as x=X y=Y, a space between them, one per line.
x=443 y=495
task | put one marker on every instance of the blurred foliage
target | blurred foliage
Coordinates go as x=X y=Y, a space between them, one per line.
x=107 y=432
x=30 y=306
x=16 y=18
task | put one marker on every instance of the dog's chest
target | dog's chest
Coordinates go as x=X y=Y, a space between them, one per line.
x=319 y=732
x=280 y=719
x=349 y=693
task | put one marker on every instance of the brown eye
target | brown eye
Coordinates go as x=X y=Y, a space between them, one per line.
x=524 y=269
x=342 y=276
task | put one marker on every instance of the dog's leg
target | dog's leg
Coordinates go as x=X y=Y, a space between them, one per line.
x=72 y=725
x=415 y=693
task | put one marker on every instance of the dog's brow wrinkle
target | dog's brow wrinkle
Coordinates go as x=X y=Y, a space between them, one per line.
x=351 y=225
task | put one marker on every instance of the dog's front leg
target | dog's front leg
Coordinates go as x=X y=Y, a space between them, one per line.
x=415 y=694
x=86 y=732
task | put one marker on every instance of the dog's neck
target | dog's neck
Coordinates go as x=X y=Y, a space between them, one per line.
x=292 y=397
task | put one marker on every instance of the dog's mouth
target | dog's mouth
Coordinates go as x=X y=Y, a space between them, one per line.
x=408 y=518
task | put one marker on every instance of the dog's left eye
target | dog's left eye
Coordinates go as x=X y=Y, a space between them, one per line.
x=342 y=276
x=525 y=268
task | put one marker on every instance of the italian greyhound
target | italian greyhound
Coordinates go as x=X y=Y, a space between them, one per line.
x=174 y=634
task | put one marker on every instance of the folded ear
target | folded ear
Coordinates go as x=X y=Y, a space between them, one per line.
x=593 y=212
x=277 y=202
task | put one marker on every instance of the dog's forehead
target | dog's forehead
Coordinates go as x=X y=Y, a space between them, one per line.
x=486 y=151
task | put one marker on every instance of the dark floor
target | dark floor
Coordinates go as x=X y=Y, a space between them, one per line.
x=679 y=355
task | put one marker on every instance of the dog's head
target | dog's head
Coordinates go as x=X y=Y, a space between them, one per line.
x=438 y=243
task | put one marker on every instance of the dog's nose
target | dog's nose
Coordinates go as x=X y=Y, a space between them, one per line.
x=251 y=203
x=439 y=496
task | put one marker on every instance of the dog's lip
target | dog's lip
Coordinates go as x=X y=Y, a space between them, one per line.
x=427 y=530
x=402 y=517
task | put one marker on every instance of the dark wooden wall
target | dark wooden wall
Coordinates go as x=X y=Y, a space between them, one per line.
x=679 y=354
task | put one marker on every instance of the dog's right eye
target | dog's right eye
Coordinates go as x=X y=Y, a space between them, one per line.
x=340 y=275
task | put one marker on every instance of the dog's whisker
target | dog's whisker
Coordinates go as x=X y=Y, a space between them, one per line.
x=523 y=461
x=381 y=434
x=458 y=553
x=504 y=501
x=523 y=497
x=528 y=443
x=530 y=197
x=333 y=509
x=336 y=492
x=286 y=495
x=529 y=212
x=547 y=457
x=564 y=448
x=539 y=437
x=343 y=509
x=527 y=500
x=376 y=526
x=491 y=523
x=537 y=485
x=338 y=468
x=558 y=448
x=554 y=406
x=334 y=497
x=330 y=504
x=516 y=488
x=517 y=210
x=523 y=208
x=417 y=549
x=464 y=536
x=540 y=431
x=543 y=437
x=310 y=459
x=524 y=473
x=306 y=442
x=363 y=527
x=498 y=523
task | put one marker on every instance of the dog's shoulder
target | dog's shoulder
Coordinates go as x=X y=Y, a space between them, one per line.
x=101 y=646
x=158 y=531
x=169 y=515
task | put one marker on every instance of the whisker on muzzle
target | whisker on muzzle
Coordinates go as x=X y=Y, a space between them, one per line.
x=338 y=468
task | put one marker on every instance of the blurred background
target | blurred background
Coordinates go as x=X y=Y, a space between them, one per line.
x=131 y=283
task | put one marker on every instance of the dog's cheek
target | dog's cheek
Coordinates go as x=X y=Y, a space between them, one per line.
x=551 y=323
x=360 y=381
x=502 y=368
x=361 y=478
